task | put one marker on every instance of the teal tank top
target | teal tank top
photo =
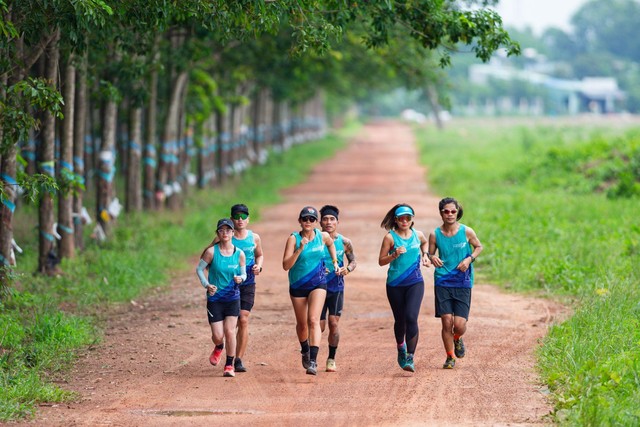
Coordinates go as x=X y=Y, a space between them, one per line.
x=221 y=272
x=308 y=271
x=335 y=283
x=405 y=270
x=248 y=246
x=452 y=250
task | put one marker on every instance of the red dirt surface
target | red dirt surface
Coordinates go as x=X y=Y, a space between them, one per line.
x=153 y=368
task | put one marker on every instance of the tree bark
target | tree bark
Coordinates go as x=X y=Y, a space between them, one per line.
x=106 y=161
x=223 y=144
x=7 y=205
x=169 y=156
x=66 y=245
x=79 y=135
x=46 y=254
x=150 y=160
x=432 y=97
x=133 y=202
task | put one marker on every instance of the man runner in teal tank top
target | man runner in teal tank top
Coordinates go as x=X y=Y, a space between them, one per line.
x=251 y=245
x=457 y=248
x=335 y=279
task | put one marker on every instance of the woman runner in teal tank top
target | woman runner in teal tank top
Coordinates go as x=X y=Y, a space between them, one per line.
x=457 y=247
x=402 y=248
x=226 y=271
x=303 y=258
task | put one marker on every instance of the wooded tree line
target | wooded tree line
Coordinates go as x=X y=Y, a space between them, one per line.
x=162 y=94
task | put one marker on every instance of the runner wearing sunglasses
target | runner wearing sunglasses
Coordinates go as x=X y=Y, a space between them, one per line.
x=251 y=245
x=303 y=258
x=458 y=247
x=402 y=248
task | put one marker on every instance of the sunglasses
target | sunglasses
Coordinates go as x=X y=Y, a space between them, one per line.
x=308 y=219
x=240 y=216
x=447 y=211
x=404 y=218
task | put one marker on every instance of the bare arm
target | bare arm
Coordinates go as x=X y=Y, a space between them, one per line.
x=328 y=241
x=351 y=257
x=437 y=262
x=291 y=254
x=387 y=244
x=477 y=248
x=258 y=255
x=424 y=249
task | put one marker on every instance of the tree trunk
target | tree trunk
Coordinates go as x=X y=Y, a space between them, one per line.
x=432 y=97
x=133 y=201
x=223 y=144
x=79 y=135
x=47 y=257
x=169 y=156
x=150 y=160
x=106 y=161
x=7 y=205
x=66 y=245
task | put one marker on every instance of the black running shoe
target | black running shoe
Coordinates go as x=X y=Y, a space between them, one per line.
x=238 y=366
x=313 y=368
x=449 y=363
x=459 y=348
x=306 y=359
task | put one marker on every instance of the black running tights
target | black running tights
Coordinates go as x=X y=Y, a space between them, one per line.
x=405 y=303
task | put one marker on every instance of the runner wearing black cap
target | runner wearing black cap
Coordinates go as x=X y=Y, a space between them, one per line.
x=303 y=258
x=226 y=271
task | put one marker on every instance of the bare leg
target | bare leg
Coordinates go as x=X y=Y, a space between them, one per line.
x=447 y=332
x=316 y=302
x=242 y=335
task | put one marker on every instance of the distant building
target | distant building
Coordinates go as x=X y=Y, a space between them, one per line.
x=561 y=96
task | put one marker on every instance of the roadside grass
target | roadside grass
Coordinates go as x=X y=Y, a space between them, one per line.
x=558 y=231
x=46 y=321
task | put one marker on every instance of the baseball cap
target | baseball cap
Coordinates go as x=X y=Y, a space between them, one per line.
x=223 y=222
x=309 y=211
x=239 y=208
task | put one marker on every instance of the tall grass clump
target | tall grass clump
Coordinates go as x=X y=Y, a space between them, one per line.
x=556 y=206
x=46 y=321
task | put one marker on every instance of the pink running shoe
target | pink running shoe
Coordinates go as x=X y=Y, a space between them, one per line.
x=216 y=355
x=228 y=371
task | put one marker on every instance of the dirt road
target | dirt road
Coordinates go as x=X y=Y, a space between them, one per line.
x=153 y=367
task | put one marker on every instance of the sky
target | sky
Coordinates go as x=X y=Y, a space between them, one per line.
x=538 y=14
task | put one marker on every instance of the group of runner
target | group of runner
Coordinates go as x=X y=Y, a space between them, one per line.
x=317 y=260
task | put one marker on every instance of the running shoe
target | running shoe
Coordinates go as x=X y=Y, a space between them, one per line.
x=228 y=371
x=459 y=348
x=306 y=359
x=449 y=363
x=408 y=364
x=402 y=355
x=216 y=355
x=331 y=365
x=313 y=368
x=238 y=366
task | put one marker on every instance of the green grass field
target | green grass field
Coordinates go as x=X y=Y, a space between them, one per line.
x=556 y=206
